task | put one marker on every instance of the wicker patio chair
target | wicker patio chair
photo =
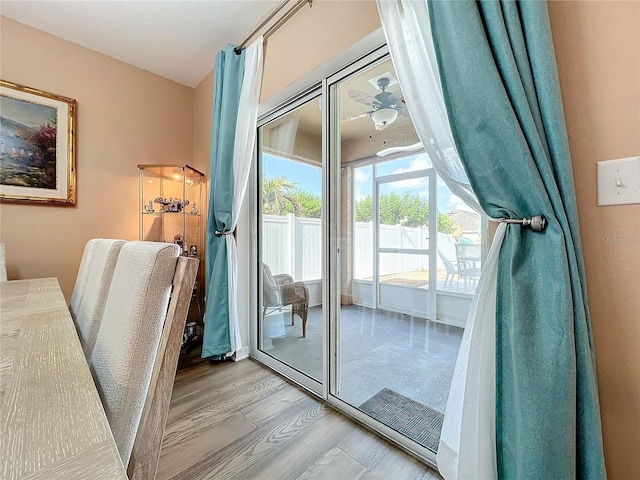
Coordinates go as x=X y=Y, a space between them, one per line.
x=280 y=291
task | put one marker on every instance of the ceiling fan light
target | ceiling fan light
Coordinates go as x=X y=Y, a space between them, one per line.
x=384 y=116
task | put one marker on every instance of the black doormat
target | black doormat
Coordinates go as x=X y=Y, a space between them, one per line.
x=414 y=420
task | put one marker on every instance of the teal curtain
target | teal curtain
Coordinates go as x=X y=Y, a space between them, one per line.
x=499 y=79
x=228 y=75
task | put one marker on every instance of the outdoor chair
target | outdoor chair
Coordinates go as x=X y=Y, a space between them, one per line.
x=280 y=290
x=451 y=269
x=468 y=255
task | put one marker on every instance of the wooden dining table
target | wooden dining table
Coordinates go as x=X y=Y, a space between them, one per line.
x=53 y=425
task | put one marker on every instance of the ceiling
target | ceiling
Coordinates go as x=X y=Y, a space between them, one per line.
x=177 y=40
x=299 y=132
x=351 y=129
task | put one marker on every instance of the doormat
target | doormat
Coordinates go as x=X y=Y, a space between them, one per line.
x=414 y=420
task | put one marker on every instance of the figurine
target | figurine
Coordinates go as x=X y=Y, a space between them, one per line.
x=149 y=207
x=193 y=250
x=178 y=240
x=194 y=209
x=172 y=205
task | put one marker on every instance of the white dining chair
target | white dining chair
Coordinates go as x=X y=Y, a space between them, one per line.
x=90 y=293
x=145 y=455
x=131 y=342
x=81 y=278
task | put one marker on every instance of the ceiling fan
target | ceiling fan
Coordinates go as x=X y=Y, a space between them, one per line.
x=385 y=106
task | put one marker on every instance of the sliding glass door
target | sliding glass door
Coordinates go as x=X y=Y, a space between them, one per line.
x=290 y=325
x=393 y=355
x=362 y=296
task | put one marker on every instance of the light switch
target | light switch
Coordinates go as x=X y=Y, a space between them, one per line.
x=619 y=181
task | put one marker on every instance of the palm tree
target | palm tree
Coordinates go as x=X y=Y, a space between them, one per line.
x=277 y=195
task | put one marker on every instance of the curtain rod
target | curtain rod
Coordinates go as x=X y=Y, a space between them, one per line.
x=278 y=23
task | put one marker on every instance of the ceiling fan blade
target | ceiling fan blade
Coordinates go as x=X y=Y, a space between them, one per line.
x=406 y=148
x=362 y=97
x=402 y=109
x=357 y=116
x=397 y=100
x=397 y=93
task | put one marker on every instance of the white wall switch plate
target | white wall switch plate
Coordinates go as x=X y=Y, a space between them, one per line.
x=619 y=181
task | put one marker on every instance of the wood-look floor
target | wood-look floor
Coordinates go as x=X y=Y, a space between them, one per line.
x=242 y=421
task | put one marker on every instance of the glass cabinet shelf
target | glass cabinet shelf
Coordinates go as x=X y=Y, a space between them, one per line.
x=159 y=214
x=170 y=198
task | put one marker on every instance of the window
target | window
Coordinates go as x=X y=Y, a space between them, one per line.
x=404 y=220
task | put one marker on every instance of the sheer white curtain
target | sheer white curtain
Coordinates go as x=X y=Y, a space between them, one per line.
x=282 y=137
x=3 y=267
x=467 y=443
x=467 y=447
x=408 y=33
x=244 y=147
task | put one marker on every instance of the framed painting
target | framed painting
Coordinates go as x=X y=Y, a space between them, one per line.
x=37 y=146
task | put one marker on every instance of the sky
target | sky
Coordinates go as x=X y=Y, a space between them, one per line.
x=26 y=113
x=309 y=178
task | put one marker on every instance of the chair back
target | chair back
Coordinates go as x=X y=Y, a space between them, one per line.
x=92 y=288
x=143 y=463
x=81 y=278
x=270 y=290
x=450 y=267
x=469 y=251
x=129 y=336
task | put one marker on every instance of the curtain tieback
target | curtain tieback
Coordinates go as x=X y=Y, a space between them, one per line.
x=537 y=223
x=218 y=233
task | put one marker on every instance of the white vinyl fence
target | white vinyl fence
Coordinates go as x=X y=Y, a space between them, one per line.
x=293 y=245
x=391 y=236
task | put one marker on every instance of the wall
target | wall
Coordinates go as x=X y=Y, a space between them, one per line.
x=312 y=37
x=125 y=116
x=598 y=54
x=202 y=100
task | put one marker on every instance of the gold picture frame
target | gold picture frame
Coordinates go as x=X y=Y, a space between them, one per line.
x=37 y=146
